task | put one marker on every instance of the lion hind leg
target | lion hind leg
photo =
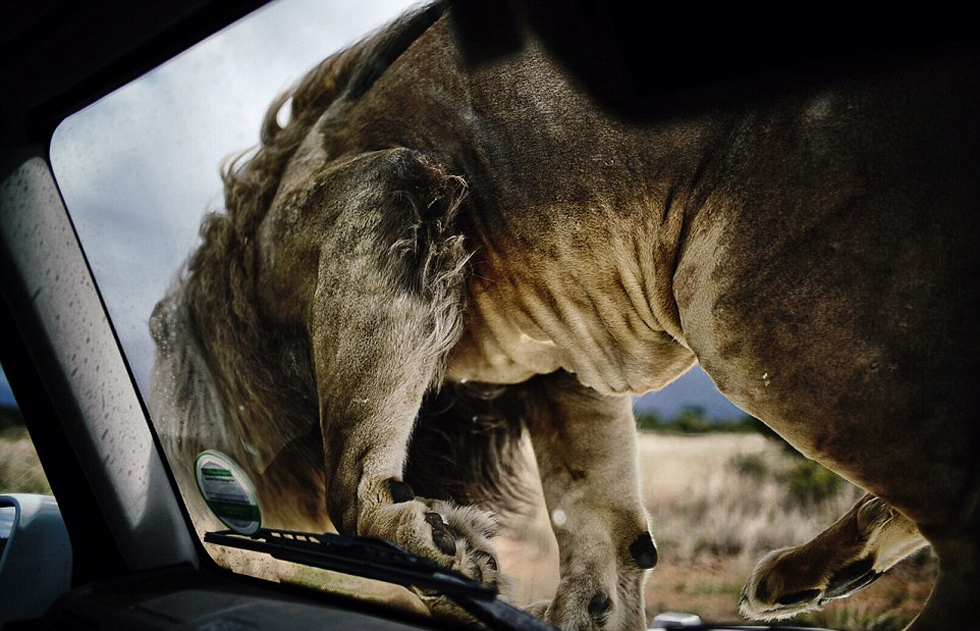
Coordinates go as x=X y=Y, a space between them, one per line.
x=849 y=555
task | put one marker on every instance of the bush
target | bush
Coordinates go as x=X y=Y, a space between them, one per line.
x=649 y=421
x=10 y=417
x=751 y=465
x=809 y=482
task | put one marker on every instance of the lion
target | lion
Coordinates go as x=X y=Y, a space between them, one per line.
x=430 y=260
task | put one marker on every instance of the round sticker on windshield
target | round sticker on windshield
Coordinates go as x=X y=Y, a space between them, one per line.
x=228 y=492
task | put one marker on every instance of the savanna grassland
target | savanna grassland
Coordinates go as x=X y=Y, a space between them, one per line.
x=718 y=501
x=20 y=469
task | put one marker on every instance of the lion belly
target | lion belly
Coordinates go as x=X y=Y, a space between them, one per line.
x=513 y=332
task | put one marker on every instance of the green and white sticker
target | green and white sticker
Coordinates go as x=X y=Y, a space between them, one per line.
x=228 y=492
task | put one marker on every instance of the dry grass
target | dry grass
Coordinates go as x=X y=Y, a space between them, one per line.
x=20 y=469
x=717 y=503
x=730 y=495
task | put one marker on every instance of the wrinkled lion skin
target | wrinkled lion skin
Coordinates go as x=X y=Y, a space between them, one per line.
x=428 y=260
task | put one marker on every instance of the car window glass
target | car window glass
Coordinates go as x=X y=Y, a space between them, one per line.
x=139 y=171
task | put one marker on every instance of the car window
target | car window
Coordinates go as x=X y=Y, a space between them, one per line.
x=140 y=170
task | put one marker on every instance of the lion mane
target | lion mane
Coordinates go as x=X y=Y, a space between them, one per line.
x=227 y=376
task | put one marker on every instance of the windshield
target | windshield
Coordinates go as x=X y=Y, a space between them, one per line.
x=140 y=172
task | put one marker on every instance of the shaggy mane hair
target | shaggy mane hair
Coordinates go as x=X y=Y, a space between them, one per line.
x=225 y=263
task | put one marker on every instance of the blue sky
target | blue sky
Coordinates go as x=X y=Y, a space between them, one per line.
x=139 y=168
x=694 y=388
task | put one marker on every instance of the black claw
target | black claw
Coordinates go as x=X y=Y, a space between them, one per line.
x=400 y=491
x=851 y=578
x=486 y=556
x=442 y=537
x=600 y=605
x=852 y=571
x=644 y=552
x=842 y=591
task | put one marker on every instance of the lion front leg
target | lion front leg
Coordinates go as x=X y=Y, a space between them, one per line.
x=585 y=444
x=365 y=455
x=382 y=312
x=367 y=415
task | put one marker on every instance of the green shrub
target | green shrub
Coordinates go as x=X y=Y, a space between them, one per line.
x=648 y=421
x=809 y=482
x=751 y=465
x=693 y=420
x=690 y=420
x=10 y=417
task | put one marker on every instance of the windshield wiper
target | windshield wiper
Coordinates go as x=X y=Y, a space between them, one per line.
x=383 y=561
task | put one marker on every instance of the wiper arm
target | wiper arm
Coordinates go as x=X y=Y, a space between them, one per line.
x=380 y=560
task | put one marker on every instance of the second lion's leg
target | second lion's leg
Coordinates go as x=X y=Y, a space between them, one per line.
x=585 y=444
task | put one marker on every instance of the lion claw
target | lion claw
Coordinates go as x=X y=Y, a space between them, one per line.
x=442 y=537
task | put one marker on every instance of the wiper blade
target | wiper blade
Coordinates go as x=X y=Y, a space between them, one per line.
x=380 y=560
x=359 y=556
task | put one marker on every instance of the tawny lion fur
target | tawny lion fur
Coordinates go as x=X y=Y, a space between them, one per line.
x=429 y=260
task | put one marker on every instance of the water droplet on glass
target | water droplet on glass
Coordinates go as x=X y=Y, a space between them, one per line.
x=558 y=517
x=285 y=113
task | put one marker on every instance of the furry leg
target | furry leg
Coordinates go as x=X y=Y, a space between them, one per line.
x=849 y=555
x=384 y=311
x=585 y=445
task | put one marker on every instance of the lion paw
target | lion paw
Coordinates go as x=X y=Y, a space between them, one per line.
x=457 y=537
x=462 y=536
x=781 y=587
x=584 y=602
